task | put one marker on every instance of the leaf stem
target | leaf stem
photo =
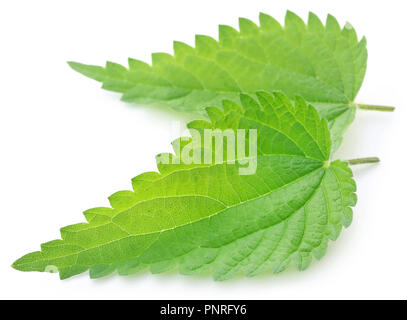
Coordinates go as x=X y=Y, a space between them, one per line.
x=375 y=108
x=356 y=162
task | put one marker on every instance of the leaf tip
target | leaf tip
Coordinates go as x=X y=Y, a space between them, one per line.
x=94 y=72
x=76 y=65
x=21 y=263
x=71 y=63
x=16 y=264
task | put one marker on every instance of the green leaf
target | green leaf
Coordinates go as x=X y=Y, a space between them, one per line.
x=209 y=218
x=323 y=64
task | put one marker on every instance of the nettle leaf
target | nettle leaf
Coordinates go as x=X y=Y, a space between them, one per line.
x=209 y=218
x=322 y=63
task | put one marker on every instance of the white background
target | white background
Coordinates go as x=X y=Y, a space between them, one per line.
x=66 y=145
